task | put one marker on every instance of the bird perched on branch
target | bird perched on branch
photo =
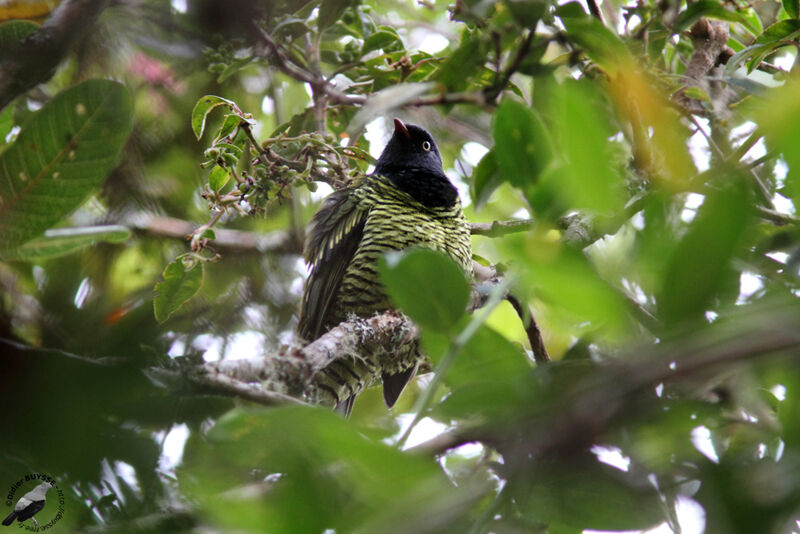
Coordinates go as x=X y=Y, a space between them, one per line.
x=29 y=505
x=408 y=201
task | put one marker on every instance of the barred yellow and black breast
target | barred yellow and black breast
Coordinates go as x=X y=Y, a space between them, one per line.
x=408 y=202
x=396 y=221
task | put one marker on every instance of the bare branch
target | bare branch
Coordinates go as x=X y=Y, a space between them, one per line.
x=236 y=240
x=501 y=228
x=531 y=329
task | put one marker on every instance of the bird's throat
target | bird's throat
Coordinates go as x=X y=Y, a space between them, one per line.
x=430 y=189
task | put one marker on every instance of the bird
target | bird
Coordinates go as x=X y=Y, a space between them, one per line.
x=407 y=201
x=29 y=505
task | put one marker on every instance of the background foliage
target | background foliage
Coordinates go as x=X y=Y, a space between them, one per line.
x=661 y=263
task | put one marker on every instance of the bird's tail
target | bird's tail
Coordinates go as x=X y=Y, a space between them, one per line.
x=10 y=519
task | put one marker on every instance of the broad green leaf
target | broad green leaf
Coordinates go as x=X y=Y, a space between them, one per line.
x=324 y=471
x=205 y=106
x=711 y=9
x=586 y=494
x=218 y=178
x=773 y=37
x=778 y=114
x=61 y=241
x=485 y=179
x=229 y=124
x=64 y=151
x=12 y=33
x=487 y=356
x=383 y=101
x=6 y=123
x=456 y=72
x=791 y=7
x=330 y=11
x=182 y=279
x=700 y=265
x=426 y=285
x=600 y=43
x=589 y=178
x=522 y=146
x=385 y=38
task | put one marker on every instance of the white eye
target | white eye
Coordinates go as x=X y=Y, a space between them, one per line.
x=426 y=146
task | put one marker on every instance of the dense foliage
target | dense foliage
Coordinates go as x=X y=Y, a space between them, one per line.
x=648 y=148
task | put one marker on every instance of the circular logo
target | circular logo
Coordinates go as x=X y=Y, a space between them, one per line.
x=34 y=502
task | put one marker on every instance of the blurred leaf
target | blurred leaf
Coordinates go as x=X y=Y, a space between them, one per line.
x=330 y=11
x=329 y=475
x=487 y=356
x=218 y=177
x=697 y=269
x=182 y=279
x=589 y=179
x=773 y=37
x=586 y=494
x=205 y=106
x=791 y=7
x=62 y=241
x=710 y=9
x=779 y=116
x=600 y=43
x=384 y=101
x=12 y=33
x=456 y=71
x=522 y=146
x=63 y=152
x=384 y=38
x=426 y=285
x=6 y=123
x=486 y=179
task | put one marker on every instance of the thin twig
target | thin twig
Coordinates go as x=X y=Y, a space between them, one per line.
x=501 y=228
x=531 y=329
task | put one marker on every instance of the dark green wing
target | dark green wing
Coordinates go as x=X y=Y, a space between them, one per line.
x=331 y=242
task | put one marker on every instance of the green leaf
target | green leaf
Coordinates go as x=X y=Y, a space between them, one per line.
x=699 y=266
x=773 y=37
x=586 y=494
x=61 y=241
x=229 y=124
x=64 y=151
x=182 y=279
x=600 y=43
x=457 y=70
x=387 y=99
x=384 y=38
x=488 y=356
x=711 y=9
x=218 y=178
x=6 y=123
x=791 y=7
x=589 y=179
x=522 y=146
x=485 y=179
x=427 y=285
x=205 y=106
x=330 y=11
x=12 y=33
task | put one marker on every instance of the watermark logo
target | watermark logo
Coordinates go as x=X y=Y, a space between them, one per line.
x=34 y=503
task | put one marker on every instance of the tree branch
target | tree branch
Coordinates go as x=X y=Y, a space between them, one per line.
x=38 y=55
x=234 y=240
x=501 y=228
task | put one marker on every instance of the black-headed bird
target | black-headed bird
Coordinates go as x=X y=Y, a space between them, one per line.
x=407 y=201
x=29 y=505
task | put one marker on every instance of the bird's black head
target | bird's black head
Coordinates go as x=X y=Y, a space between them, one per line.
x=412 y=161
